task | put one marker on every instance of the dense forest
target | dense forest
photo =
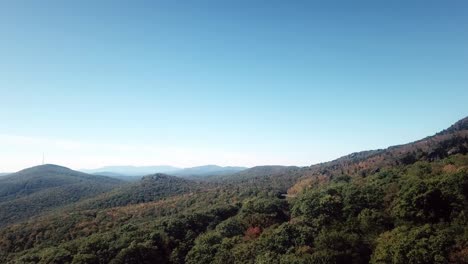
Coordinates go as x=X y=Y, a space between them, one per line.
x=41 y=189
x=404 y=204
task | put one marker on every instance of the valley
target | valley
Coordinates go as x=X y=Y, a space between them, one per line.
x=403 y=204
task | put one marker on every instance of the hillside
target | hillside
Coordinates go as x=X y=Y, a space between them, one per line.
x=149 y=188
x=272 y=178
x=403 y=204
x=451 y=141
x=461 y=125
x=37 y=189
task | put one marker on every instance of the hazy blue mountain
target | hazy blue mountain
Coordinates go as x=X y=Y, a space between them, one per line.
x=4 y=174
x=404 y=197
x=108 y=173
x=207 y=170
x=132 y=170
x=126 y=172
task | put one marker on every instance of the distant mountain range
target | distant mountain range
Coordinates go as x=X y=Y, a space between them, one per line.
x=123 y=172
x=131 y=170
x=207 y=170
x=376 y=205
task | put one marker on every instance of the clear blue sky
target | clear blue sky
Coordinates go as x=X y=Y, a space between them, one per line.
x=227 y=82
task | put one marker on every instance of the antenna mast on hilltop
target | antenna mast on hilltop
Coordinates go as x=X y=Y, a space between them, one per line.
x=42 y=158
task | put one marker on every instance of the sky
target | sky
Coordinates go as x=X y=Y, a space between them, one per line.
x=240 y=83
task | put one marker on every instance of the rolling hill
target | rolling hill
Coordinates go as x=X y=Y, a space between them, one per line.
x=451 y=141
x=402 y=204
x=149 y=188
x=41 y=188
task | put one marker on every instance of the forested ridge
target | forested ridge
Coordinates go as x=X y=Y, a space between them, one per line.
x=40 y=189
x=404 y=204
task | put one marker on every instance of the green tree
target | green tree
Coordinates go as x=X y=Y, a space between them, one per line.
x=423 y=201
x=413 y=245
x=320 y=207
x=205 y=248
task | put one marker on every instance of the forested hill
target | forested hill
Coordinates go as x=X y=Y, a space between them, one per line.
x=35 y=190
x=281 y=179
x=149 y=188
x=461 y=125
x=451 y=141
x=403 y=204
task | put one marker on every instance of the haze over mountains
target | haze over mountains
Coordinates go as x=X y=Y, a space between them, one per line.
x=131 y=170
x=199 y=171
x=234 y=132
x=405 y=203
